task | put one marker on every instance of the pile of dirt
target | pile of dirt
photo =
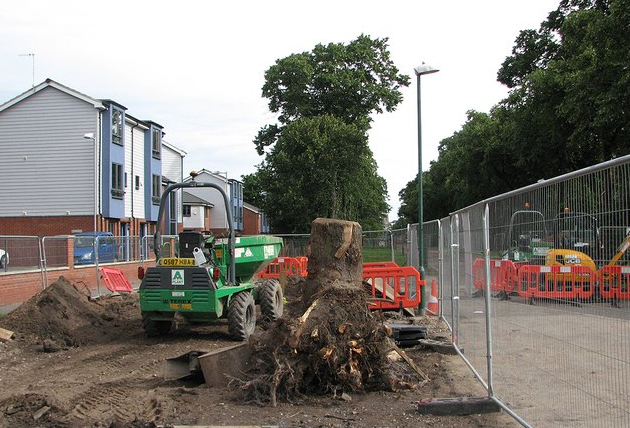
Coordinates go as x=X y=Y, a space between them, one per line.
x=63 y=316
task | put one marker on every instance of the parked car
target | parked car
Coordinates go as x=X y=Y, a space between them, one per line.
x=4 y=259
x=108 y=248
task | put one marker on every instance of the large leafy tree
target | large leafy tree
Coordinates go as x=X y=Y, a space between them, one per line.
x=568 y=108
x=575 y=69
x=317 y=158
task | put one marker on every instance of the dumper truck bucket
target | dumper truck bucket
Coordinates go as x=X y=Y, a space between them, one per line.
x=183 y=367
x=216 y=368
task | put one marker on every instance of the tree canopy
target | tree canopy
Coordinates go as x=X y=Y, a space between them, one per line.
x=317 y=159
x=568 y=108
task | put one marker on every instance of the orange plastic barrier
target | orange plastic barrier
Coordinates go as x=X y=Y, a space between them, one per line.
x=370 y=265
x=614 y=282
x=115 y=280
x=556 y=282
x=394 y=287
x=503 y=275
x=288 y=266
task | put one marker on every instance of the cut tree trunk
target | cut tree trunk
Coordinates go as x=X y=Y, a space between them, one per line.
x=335 y=255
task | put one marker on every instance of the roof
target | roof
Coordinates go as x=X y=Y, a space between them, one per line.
x=252 y=208
x=189 y=199
x=49 y=83
x=181 y=152
x=221 y=175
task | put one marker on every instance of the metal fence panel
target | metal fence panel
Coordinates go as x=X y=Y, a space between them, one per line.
x=19 y=253
x=557 y=309
x=295 y=245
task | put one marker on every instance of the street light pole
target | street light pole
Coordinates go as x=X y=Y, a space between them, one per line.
x=90 y=136
x=420 y=71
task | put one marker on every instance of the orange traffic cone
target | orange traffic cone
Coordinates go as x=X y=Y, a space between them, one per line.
x=432 y=306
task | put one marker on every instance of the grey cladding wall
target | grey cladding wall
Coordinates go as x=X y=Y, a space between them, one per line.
x=46 y=166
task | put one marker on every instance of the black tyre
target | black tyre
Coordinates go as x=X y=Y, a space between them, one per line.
x=155 y=328
x=242 y=316
x=271 y=299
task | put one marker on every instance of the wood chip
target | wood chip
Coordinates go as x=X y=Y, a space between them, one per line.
x=5 y=335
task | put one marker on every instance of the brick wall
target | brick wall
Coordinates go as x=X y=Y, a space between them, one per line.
x=45 y=226
x=17 y=287
x=251 y=223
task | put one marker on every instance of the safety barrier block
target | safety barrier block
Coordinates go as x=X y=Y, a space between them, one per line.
x=285 y=266
x=503 y=275
x=115 y=280
x=614 y=282
x=393 y=287
x=556 y=282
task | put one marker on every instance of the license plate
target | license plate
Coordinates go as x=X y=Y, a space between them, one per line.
x=174 y=261
x=178 y=294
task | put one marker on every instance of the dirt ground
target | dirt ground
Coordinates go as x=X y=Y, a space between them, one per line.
x=80 y=363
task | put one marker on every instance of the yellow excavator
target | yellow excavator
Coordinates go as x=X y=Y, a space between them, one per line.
x=578 y=242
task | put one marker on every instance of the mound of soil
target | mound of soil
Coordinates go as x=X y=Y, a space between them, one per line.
x=63 y=316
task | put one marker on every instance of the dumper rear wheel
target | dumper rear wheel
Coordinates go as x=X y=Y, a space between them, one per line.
x=155 y=328
x=242 y=316
x=271 y=299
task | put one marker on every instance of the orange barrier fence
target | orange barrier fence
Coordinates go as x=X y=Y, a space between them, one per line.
x=556 y=282
x=370 y=265
x=115 y=280
x=503 y=275
x=393 y=287
x=614 y=282
x=288 y=266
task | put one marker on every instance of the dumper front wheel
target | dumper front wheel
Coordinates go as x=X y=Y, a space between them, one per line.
x=271 y=299
x=155 y=328
x=242 y=316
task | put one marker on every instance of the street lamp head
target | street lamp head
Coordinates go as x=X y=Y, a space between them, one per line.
x=425 y=69
x=89 y=136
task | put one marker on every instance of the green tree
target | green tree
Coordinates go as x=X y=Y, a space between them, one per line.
x=574 y=69
x=321 y=167
x=568 y=108
x=317 y=158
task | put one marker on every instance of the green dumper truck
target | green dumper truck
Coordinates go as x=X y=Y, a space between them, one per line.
x=210 y=279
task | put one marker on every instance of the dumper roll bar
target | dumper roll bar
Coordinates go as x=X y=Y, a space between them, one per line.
x=157 y=237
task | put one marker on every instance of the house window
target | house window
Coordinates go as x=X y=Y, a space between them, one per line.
x=137 y=182
x=117 y=181
x=157 y=189
x=155 y=148
x=125 y=180
x=117 y=127
x=186 y=211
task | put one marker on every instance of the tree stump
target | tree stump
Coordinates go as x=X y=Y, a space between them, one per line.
x=328 y=342
x=335 y=256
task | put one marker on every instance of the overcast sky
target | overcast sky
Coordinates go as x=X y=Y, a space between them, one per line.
x=197 y=68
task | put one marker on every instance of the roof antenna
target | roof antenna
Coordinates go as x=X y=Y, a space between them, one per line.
x=32 y=55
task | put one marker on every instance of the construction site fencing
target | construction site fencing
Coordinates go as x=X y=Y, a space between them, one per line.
x=535 y=286
x=20 y=253
x=378 y=245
